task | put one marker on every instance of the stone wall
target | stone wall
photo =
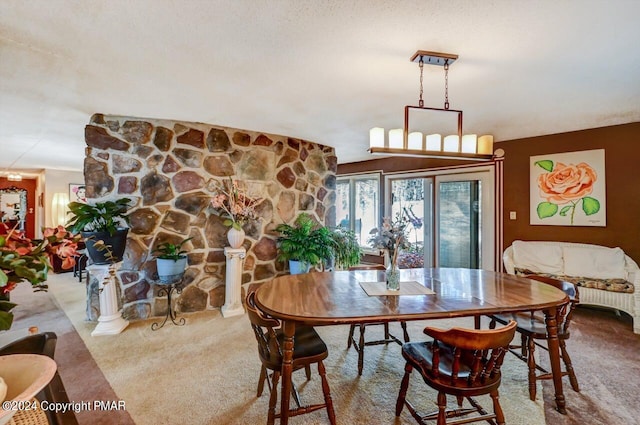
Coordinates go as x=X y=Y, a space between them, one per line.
x=170 y=169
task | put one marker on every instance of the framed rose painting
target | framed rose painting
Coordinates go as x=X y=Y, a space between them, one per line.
x=568 y=189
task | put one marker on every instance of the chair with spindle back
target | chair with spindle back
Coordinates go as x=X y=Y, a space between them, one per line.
x=532 y=328
x=461 y=362
x=308 y=348
x=388 y=337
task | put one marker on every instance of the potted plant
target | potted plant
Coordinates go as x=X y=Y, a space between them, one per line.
x=101 y=226
x=62 y=248
x=171 y=261
x=304 y=244
x=20 y=260
x=346 y=249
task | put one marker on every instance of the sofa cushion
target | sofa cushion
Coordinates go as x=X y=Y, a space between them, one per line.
x=613 y=285
x=539 y=257
x=595 y=262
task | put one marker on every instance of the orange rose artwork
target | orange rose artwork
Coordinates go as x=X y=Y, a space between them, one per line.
x=565 y=186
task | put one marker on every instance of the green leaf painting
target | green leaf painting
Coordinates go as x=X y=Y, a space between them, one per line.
x=547 y=209
x=566 y=188
x=546 y=164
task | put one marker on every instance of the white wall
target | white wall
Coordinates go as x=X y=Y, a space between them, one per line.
x=57 y=181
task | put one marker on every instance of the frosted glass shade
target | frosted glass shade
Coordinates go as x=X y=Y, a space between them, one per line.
x=451 y=144
x=415 y=141
x=434 y=142
x=376 y=137
x=395 y=138
x=485 y=144
x=469 y=142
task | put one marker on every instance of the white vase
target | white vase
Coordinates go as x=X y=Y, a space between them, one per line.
x=235 y=237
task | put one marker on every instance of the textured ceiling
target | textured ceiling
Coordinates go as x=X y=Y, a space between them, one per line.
x=325 y=71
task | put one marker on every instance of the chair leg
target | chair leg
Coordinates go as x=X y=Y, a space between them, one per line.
x=327 y=393
x=492 y=323
x=361 y=350
x=442 y=408
x=531 y=362
x=497 y=409
x=403 y=389
x=523 y=346
x=459 y=399
x=569 y=366
x=349 y=341
x=307 y=371
x=274 y=398
x=386 y=331
x=404 y=331
x=263 y=377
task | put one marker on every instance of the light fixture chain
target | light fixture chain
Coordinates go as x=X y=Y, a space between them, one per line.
x=446 y=84
x=421 y=65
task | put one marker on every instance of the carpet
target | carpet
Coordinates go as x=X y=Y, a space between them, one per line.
x=206 y=372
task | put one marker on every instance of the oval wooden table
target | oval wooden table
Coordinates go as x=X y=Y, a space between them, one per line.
x=332 y=298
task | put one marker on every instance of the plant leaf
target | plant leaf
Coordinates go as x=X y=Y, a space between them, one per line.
x=590 y=205
x=6 y=319
x=545 y=164
x=546 y=209
x=565 y=210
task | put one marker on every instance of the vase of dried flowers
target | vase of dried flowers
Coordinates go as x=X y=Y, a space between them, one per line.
x=232 y=202
x=235 y=237
x=393 y=273
x=391 y=237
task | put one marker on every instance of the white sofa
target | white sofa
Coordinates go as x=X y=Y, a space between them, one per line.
x=606 y=276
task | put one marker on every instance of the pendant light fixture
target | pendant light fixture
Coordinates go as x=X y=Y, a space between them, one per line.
x=405 y=142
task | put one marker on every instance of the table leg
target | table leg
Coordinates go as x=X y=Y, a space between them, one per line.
x=289 y=329
x=554 y=358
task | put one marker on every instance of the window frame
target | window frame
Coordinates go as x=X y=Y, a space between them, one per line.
x=352 y=179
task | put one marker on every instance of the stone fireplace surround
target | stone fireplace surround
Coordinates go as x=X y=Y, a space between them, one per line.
x=169 y=169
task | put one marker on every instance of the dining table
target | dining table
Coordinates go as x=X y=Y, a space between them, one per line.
x=347 y=297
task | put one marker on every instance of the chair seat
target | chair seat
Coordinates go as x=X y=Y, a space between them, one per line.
x=533 y=326
x=307 y=343
x=420 y=356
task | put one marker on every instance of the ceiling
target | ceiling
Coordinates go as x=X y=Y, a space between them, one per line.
x=325 y=71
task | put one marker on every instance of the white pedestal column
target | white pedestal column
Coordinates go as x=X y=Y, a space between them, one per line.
x=233 y=282
x=110 y=321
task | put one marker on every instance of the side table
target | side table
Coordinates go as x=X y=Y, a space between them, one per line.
x=167 y=289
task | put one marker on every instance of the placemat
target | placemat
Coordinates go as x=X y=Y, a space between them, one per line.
x=410 y=287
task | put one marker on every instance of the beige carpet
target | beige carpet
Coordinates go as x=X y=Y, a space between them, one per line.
x=206 y=372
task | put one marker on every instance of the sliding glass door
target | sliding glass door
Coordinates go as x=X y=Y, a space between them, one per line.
x=450 y=217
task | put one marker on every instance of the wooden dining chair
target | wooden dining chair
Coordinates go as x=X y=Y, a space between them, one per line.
x=461 y=362
x=533 y=332
x=388 y=337
x=308 y=348
x=45 y=344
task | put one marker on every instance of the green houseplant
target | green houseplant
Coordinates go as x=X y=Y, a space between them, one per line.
x=346 y=249
x=101 y=226
x=171 y=260
x=20 y=260
x=303 y=244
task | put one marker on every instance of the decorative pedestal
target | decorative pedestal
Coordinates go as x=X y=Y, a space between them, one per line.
x=110 y=321
x=233 y=282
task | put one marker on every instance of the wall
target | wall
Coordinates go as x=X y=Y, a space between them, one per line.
x=622 y=151
x=57 y=181
x=170 y=170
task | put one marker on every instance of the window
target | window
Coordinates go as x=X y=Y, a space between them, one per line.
x=358 y=204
